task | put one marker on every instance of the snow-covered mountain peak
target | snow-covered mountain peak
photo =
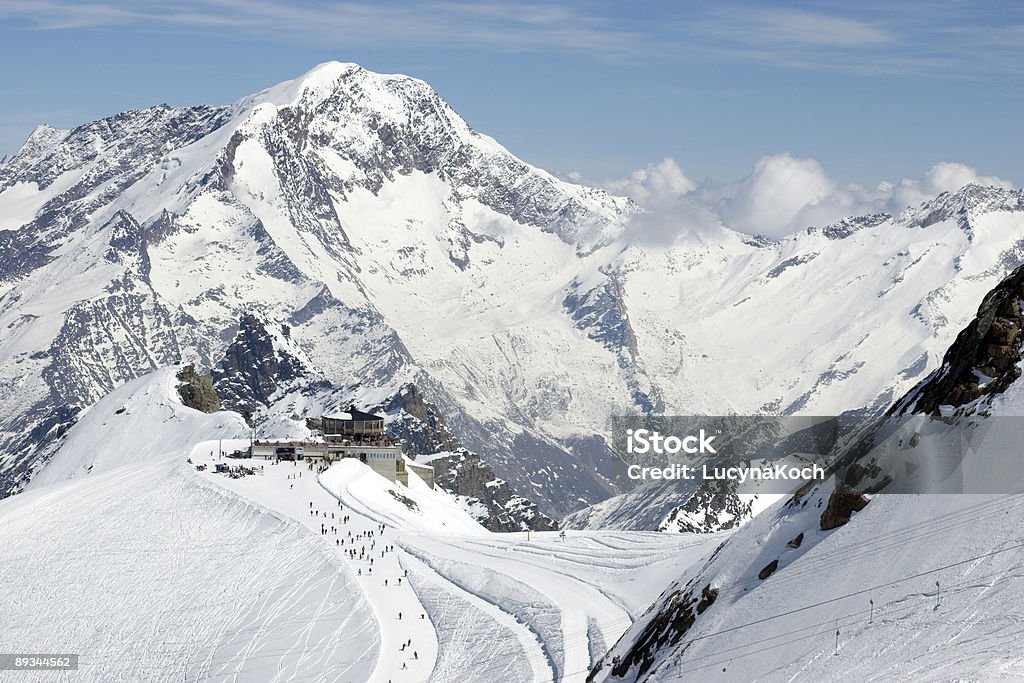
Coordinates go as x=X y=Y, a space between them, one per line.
x=346 y=93
x=42 y=138
x=319 y=82
x=970 y=200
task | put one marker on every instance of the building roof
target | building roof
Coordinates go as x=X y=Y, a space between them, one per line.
x=353 y=415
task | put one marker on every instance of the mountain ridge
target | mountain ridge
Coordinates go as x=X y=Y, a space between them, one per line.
x=401 y=247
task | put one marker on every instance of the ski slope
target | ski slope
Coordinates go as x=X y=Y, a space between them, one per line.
x=126 y=554
x=922 y=588
x=494 y=606
x=149 y=573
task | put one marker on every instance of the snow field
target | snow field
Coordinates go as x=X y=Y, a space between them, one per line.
x=873 y=581
x=149 y=575
x=544 y=604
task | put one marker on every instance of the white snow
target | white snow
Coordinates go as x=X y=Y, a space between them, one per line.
x=552 y=597
x=148 y=573
x=167 y=573
x=141 y=420
x=893 y=553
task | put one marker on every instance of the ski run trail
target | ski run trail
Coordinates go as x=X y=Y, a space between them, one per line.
x=157 y=571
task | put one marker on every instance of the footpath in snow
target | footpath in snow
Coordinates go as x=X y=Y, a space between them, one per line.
x=453 y=601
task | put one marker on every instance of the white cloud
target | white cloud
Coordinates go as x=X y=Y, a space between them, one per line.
x=809 y=28
x=945 y=176
x=654 y=185
x=774 y=195
x=782 y=194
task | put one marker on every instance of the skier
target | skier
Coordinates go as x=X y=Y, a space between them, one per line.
x=399 y=616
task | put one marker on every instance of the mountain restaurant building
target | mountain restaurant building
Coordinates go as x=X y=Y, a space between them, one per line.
x=352 y=424
x=349 y=434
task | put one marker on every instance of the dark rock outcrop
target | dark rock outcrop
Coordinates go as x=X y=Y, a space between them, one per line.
x=465 y=474
x=423 y=430
x=419 y=424
x=668 y=627
x=841 y=506
x=254 y=368
x=842 y=229
x=197 y=390
x=983 y=360
x=768 y=570
x=714 y=506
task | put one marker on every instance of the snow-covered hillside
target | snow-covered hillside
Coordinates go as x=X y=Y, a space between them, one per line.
x=150 y=573
x=139 y=420
x=392 y=245
x=873 y=581
x=854 y=579
x=152 y=569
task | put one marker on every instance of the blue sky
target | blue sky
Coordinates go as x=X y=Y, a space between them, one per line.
x=870 y=91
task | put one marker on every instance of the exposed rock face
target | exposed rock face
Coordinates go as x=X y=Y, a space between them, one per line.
x=197 y=390
x=424 y=431
x=118 y=151
x=844 y=228
x=963 y=205
x=841 y=506
x=768 y=570
x=254 y=368
x=983 y=360
x=466 y=475
x=681 y=610
x=715 y=506
x=419 y=424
